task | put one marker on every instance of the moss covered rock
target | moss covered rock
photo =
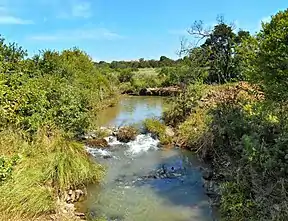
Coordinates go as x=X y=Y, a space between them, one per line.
x=126 y=134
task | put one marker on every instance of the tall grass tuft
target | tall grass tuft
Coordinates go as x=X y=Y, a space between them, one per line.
x=42 y=175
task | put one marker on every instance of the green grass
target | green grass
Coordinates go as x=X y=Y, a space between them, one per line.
x=157 y=128
x=147 y=72
x=48 y=166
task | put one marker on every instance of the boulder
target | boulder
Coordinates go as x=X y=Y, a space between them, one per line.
x=207 y=174
x=169 y=132
x=126 y=134
x=97 y=143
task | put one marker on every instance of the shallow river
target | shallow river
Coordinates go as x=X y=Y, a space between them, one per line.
x=145 y=182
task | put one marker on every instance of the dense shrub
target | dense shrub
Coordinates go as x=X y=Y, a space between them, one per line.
x=182 y=105
x=39 y=97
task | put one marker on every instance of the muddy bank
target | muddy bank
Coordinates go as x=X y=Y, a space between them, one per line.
x=162 y=91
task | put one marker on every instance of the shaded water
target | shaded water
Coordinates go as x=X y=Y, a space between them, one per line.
x=145 y=182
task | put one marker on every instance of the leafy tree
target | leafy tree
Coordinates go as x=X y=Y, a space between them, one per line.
x=11 y=57
x=266 y=57
x=218 y=50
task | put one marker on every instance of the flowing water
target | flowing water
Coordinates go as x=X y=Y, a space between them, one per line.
x=145 y=182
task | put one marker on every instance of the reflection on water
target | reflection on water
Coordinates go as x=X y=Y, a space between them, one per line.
x=131 y=110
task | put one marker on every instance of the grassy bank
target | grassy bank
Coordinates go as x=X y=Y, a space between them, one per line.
x=243 y=137
x=46 y=102
x=241 y=128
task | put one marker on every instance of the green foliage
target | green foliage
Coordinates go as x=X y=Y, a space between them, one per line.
x=216 y=60
x=42 y=101
x=266 y=59
x=194 y=131
x=158 y=129
x=141 y=63
x=182 y=105
x=125 y=75
x=6 y=167
x=54 y=91
x=252 y=138
x=65 y=91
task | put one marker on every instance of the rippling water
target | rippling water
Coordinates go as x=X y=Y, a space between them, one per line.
x=145 y=182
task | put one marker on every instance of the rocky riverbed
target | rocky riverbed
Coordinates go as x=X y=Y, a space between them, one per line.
x=179 y=170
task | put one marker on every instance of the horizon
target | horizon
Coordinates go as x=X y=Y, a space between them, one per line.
x=120 y=31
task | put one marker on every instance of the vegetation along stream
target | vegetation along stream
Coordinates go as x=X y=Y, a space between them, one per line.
x=144 y=181
x=74 y=146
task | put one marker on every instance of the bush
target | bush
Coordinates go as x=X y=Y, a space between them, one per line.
x=125 y=75
x=252 y=139
x=182 y=105
x=159 y=130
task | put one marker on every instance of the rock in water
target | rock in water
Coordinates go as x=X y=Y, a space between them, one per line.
x=207 y=174
x=97 y=143
x=126 y=134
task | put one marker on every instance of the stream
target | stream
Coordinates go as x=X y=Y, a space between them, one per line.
x=143 y=181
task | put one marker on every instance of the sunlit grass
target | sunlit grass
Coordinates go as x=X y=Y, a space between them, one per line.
x=47 y=167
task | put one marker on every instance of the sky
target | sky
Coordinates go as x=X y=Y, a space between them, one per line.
x=122 y=29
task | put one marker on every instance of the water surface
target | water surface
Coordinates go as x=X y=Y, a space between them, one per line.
x=145 y=182
x=131 y=110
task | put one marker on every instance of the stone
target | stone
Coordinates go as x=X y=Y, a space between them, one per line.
x=169 y=132
x=97 y=143
x=107 y=157
x=126 y=134
x=72 y=197
x=207 y=174
x=69 y=208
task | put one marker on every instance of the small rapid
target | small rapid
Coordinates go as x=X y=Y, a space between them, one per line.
x=145 y=182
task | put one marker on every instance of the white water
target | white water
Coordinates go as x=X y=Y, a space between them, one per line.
x=142 y=143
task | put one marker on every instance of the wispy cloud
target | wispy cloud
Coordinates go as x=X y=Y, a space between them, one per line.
x=82 y=9
x=7 y=18
x=12 y=20
x=78 y=34
x=74 y=9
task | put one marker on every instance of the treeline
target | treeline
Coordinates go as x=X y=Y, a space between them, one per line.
x=141 y=63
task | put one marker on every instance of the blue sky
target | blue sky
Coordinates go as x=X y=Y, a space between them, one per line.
x=121 y=29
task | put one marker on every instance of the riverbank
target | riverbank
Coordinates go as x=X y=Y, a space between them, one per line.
x=159 y=91
x=234 y=129
x=45 y=106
